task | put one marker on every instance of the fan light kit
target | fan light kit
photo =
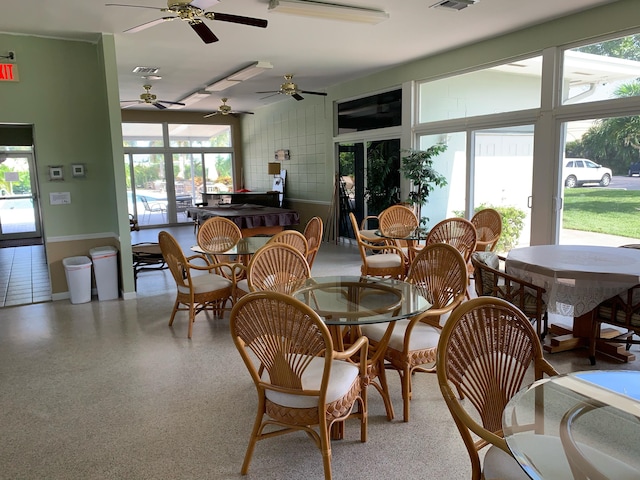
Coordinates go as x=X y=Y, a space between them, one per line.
x=192 y=12
x=291 y=89
x=333 y=11
x=239 y=76
x=225 y=109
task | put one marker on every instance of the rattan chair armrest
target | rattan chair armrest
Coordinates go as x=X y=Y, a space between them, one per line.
x=396 y=249
x=359 y=347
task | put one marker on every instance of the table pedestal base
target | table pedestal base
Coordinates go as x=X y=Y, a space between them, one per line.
x=564 y=338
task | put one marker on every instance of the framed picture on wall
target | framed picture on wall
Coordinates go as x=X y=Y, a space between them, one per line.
x=56 y=172
x=77 y=170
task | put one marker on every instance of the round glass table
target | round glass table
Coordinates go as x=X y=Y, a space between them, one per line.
x=358 y=300
x=578 y=425
x=346 y=302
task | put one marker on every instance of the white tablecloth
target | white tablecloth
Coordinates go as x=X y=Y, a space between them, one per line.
x=576 y=277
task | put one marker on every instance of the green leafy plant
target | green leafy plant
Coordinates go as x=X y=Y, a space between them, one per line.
x=512 y=224
x=417 y=166
x=382 y=172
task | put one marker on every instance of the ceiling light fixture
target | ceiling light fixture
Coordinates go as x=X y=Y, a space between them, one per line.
x=454 y=4
x=333 y=11
x=239 y=76
x=191 y=99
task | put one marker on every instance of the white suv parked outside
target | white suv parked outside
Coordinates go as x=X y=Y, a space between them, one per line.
x=578 y=171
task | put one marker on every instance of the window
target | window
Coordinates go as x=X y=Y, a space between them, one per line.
x=503 y=88
x=169 y=166
x=602 y=71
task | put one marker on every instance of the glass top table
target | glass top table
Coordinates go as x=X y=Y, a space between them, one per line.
x=587 y=422
x=358 y=300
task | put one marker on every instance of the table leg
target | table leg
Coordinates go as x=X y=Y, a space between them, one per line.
x=563 y=339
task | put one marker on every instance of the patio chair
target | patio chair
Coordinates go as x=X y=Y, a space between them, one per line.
x=293 y=238
x=303 y=384
x=277 y=267
x=488 y=223
x=313 y=233
x=195 y=293
x=486 y=348
x=151 y=208
x=491 y=281
x=398 y=220
x=378 y=260
x=440 y=273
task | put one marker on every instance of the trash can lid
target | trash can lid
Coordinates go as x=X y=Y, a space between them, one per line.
x=102 y=252
x=75 y=263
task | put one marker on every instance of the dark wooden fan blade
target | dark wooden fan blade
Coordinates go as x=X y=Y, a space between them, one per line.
x=203 y=32
x=313 y=93
x=225 y=17
x=159 y=105
x=133 y=6
x=272 y=94
x=297 y=96
x=171 y=103
x=271 y=91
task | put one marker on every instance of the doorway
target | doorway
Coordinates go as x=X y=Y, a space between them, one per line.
x=369 y=174
x=20 y=222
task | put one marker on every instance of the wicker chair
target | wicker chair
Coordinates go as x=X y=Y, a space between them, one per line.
x=277 y=267
x=302 y=383
x=218 y=234
x=194 y=292
x=369 y=234
x=488 y=223
x=398 y=220
x=388 y=260
x=313 y=233
x=622 y=311
x=293 y=238
x=457 y=232
x=491 y=281
x=440 y=273
x=485 y=350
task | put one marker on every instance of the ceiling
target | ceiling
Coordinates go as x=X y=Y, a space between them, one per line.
x=319 y=52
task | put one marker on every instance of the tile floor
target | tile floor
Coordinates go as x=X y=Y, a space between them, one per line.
x=24 y=276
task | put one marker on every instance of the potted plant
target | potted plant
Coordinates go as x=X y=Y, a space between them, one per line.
x=417 y=166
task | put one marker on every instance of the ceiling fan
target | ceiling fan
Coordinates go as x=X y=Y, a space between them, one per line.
x=290 y=88
x=151 y=99
x=225 y=109
x=193 y=12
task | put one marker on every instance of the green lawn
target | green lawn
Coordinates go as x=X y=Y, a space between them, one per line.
x=602 y=210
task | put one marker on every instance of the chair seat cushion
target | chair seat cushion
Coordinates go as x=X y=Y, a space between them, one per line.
x=206 y=283
x=384 y=260
x=543 y=452
x=423 y=336
x=243 y=285
x=343 y=374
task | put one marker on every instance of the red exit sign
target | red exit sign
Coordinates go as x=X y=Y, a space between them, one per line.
x=8 y=72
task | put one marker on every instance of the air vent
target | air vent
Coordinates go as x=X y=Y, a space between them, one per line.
x=146 y=70
x=454 y=4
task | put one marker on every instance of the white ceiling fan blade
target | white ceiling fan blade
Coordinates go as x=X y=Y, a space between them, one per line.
x=204 y=4
x=150 y=24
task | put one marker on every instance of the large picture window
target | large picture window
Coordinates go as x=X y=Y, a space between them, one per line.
x=169 y=166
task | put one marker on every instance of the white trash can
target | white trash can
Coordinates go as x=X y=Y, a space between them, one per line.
x=105 y=268
x=78 y=273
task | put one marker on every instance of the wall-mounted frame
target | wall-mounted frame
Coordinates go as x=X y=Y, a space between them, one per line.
x=56 y=172
x=77 y=170
x=282 y=155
